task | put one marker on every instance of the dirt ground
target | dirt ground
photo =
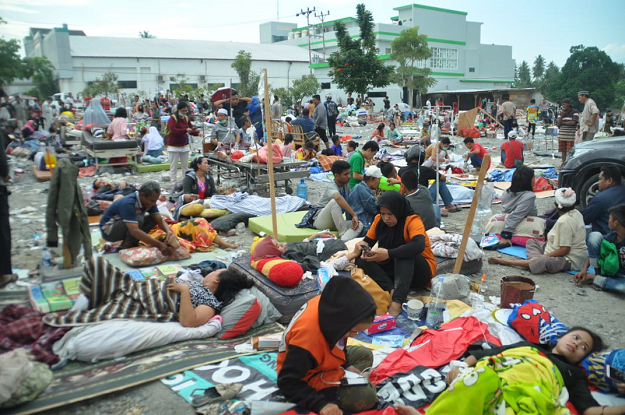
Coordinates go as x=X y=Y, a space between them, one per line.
x=601 y=311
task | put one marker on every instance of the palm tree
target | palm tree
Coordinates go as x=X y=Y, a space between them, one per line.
x=146 y=35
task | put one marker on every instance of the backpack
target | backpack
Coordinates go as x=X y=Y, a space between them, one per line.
x=167 y=125
x=332 y=109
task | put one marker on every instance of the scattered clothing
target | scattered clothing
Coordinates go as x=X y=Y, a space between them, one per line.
x=261 y=206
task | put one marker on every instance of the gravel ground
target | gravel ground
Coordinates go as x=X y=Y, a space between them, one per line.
x=569 y=303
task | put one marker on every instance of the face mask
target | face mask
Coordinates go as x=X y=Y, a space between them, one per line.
x=444 y=148
x=223 y=122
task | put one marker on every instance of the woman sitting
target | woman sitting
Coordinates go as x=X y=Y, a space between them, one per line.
x=113 y=294
x=198 y=182
x=394 y=135
x=28 y=129
x=565 y=248
x=153 y=142
x=403 y=259
x=378 y=133
x=287 y=147
x=523 y=378
x=118 y=129
x=519 y=203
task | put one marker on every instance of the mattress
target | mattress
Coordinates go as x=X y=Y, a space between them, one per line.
x=92 y=143
x=287 y=231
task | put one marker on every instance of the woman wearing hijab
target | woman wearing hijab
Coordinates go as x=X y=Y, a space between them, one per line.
x=153 y=143
x=403 y=259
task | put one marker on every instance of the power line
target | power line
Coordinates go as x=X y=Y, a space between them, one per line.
x=307 y=13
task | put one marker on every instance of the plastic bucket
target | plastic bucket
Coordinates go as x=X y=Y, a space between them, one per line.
x=516 y=289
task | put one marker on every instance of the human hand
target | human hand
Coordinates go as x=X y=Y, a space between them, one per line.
x=406 y=410
x=380 y=254
x=588 y=122
x=354 y=222
x=188 y=198
x=324 y=234
x=452 y=374
x=189 y=130
x=178 y=287
x=331 y=409
x=620 y=387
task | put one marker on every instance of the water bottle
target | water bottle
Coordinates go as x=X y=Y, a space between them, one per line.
x=302 y=190
x=46 y=260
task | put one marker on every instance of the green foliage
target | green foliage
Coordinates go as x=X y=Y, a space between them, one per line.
x=305 y=86
x=285 y=95
x=538 y=70
x=248 y=79
x=107 y=84
x=146 y=35
x=355 y=66
x=11 y=65
x=551 y=73
x=182 y=88
x=523 y=78
x=41 y=72
x=408 y=49
x=589 y=69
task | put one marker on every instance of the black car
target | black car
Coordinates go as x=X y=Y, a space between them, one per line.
x=583 y=163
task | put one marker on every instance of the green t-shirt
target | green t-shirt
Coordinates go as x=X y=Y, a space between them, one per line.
x=357 y=163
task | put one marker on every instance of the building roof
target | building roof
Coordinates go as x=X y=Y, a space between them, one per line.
x=118 y=47
x=477 y=91
x=45 y=31
x=437 y=9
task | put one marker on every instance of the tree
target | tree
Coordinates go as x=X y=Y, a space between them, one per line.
x=551 y=73
x=146 y=35
x=303 y=87
x=181 y=86
x=355 y=66
x=41 y=72
x=107 y=84
x=539 y=68
x=587 y=69
x=11 y=65
x=523 y=78
x=409 y=48
x=248 y=79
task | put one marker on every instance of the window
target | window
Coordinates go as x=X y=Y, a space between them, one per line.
x=275 y=38
x=444 y=58
x=377 y=94
x=389 y=51
x=471 y=69
x=127 y=84
x=325 y=85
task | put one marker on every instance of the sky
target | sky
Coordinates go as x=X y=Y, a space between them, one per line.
x=548 y=28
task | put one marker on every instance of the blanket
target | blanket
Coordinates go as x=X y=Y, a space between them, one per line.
x=114 y=294
x=326 y=161
x=259 y=206
x=306 y=252
x=520 y=380
x=193 y=234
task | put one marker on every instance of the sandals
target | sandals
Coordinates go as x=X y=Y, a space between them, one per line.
x=221 y=392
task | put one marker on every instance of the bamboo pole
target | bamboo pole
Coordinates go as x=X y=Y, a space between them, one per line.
x=272 y=186
x=469 y=224
x=493 y=118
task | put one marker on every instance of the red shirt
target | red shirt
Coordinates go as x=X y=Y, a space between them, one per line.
x=106 y=103
x=514 y=151
x=482 y=151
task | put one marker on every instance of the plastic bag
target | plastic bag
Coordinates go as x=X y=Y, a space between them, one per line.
x=141 y=256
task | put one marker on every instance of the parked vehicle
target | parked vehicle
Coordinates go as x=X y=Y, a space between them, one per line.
x=584 y=162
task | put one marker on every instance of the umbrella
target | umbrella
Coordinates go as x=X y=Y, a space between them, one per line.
x=222 y=93
x=403 y=107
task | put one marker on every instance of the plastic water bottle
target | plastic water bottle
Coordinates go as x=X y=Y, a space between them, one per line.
x=46 y=260
x=302 y=190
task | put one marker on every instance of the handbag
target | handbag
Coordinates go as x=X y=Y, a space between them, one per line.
x=93 y=208
x=382 y=298
x=309 y=218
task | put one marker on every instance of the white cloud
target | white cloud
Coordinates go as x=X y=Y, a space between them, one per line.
x=616 y=51
x=17 y=9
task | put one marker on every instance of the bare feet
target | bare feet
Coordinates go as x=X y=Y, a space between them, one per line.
x=394 y=309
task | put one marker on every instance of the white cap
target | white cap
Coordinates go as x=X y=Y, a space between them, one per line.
x=512 y=134
x=222 y=111
x=373 y=171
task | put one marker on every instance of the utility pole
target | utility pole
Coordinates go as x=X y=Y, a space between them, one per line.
x=322 y=16
x=308 y=13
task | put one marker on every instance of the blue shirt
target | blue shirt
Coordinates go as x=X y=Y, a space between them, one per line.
x=126 y=209
x=307 y=123
x=362 y=201
x=596 y=212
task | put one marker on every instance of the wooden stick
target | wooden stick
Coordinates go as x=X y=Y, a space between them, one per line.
x=493 y=118
x=467 y=227
x=272 y=186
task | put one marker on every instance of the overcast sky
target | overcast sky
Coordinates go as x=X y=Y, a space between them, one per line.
x=548 y=28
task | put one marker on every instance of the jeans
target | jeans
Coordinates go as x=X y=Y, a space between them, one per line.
x=443 y=191
x=531 y=127
x=507 y=127
x=154 y=153
x=476 y=160
x=615 y=283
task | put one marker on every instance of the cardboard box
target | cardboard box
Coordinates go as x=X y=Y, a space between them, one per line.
x=382 y=323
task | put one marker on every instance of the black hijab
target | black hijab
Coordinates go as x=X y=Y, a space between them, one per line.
x=393 y=237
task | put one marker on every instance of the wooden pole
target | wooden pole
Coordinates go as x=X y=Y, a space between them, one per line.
x=493 y=118
x=467 y=227
x=272 y=186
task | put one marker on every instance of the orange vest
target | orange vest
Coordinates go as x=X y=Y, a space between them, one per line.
x=304 y=332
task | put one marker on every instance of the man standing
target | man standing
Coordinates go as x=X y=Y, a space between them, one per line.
x=238 y=105
x=611 y=193
x=6 y=273
x=567 y=125
x=387 y=106
x=320 y=117
x=532 y=111
x=509 y=110
x=333 y=112
x=350 y=99
x=21 y=111
x=544 y=111
x=276 y=109
x=106 y=102
x=48 y=112
x=590 y=116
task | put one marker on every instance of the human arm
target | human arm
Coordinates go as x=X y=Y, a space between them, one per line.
x=136 y=232
x=324 y=234
x=340 y=200
x=560 y=252
x=210 y=187
x=581 y=276
x=173 y=126
x=593 y=210
x=524 y=208
x=188 y=316
x=357 y=176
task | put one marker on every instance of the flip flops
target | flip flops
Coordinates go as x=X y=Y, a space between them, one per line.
x=222 y=392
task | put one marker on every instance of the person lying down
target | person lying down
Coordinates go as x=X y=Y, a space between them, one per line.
x=113 y=294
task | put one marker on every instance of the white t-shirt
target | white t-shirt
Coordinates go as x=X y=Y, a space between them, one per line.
x=569 y=231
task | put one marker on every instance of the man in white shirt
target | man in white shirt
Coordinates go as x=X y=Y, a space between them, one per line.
x=589 y=124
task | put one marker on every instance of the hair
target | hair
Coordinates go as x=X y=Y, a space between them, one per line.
x=597 y=341
x=276 y=98
x=618 y=213
x=352 y=144
x=309 y=144
x=195 y=163
x=612 y=172
x=340 y=166
x=52 y=128
x=522 y=180
x=317 y=96
x=148 y=188
x=305 y=112
x=566 y=101
x=410 y=180
x=335 y=139
x=140 y=108
x=231 y=281
x=371 y=145
x=532 y=101
x=327 y=152
x=288 y=138
x=368 y=319
x=288 y=119
x=391 y=124
x=618 y=133
x=121 y=113
x=181 y=105
x=380 y=126
x=468 y=140
x=243 y=119
x=387 y=169
x=445 y=140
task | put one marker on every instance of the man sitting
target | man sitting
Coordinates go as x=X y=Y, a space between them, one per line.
x=333 y=202
x=126 y=220
x=611 y=193
x=307 y=124
x=419 y=198
x=512 y=151
x=476 y=153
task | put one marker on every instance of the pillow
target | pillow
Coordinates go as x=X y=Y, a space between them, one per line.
x=529 y=227
x=268 y=312
x=239 y=315
x=594 y=366
x=535 y=324
x=283 y=272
